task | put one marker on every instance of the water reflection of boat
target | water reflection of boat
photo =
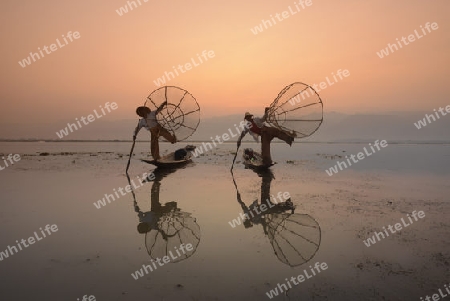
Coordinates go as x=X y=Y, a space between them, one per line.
x=166 y=227
x=295 y=238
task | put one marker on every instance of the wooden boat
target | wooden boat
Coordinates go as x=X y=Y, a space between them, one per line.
x=169 y=160
x=253 y=160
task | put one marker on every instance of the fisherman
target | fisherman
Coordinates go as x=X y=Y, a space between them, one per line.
x=255 y=213
x=151 y=220
x=256 y=128
x=150 y=123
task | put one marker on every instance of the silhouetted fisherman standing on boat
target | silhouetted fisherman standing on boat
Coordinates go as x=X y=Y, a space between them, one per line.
x=150 y=122
x=258 y=128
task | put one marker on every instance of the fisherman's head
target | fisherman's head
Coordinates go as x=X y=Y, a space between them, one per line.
x=143 y=111
x=248 y=223
x=248 y=116
x=143 y=228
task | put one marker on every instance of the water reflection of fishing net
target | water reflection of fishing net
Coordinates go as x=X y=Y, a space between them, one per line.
x=295 y=238
x=297 y=108
x=172 y=230
x=180 y=116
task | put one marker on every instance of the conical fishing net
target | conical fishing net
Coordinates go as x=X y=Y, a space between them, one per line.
x=295 y=238
x=173 y=229
x=181 y=115
x=298 y=108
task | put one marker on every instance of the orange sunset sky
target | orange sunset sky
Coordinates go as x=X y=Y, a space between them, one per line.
x=118 y=58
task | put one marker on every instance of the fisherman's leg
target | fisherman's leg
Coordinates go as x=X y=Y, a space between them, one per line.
x=166 y=134
x=154 y=145
x=266 y=138
x=154 y=196
x=282 y=135
x=266 y=179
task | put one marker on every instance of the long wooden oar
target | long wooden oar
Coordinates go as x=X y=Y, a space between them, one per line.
x=234 y=159
x=131 y=153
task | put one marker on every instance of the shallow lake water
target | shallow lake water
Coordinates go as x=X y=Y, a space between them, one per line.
x=97 y=248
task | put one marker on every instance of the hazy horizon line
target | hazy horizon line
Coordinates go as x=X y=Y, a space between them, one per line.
x=359 y=141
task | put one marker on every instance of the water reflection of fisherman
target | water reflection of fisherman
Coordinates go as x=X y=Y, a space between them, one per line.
x=295 y=238
x=149 y=220
x=254 y=214
x=166 y=227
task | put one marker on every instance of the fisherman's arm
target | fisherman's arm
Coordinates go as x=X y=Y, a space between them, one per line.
x=244 y=132
x=137 y=129
x=161 y=107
